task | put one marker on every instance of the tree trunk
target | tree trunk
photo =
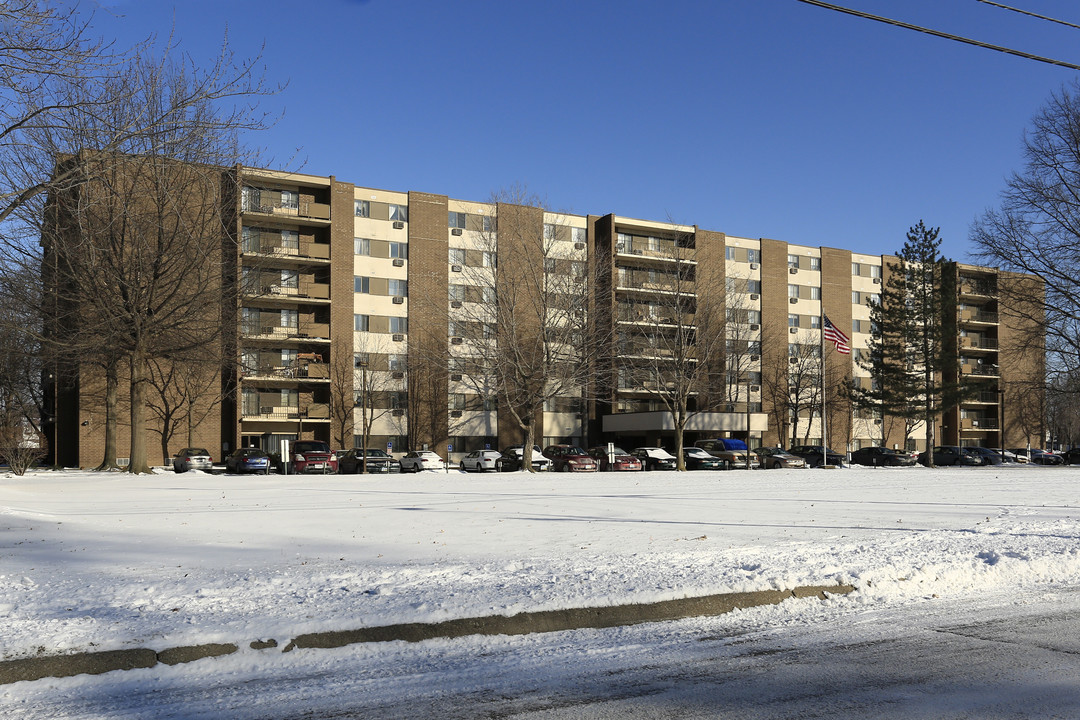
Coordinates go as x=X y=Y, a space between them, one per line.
x=137 y=463
x=108 y=461
x=527 y=448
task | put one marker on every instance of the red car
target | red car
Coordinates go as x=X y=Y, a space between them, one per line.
x=569 y=458
x=311 y=456
x=623 y=459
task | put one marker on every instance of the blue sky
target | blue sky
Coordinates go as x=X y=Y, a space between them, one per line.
x=758 y=118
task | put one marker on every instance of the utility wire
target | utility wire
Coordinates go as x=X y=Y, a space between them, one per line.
x=1034 y=15
x=938 y=33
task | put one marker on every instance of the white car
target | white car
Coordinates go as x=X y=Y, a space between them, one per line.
x=418 y=460
x=480 y=461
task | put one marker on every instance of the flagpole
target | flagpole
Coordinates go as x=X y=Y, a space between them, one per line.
x=824 y=438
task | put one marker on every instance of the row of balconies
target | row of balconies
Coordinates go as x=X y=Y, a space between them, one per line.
x=311 y=411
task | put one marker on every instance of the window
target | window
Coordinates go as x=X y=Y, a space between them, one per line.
x=290 y=319
x=362 y=208
x=729 y=285
x=457 y=401
x=399 y=250
x=793 y=321
x=857 y=325
x=793 y=261
x=361 y=246
x=753 y=317
x=399 y=325
x=360 y=323
x=623 y=241
x=487 y=294
x=290 y=239
x=361 y=284
x=856 y=297
x=489 y=224
x=488 y=259
x=549 y=266
x=457 y=293
x=875 y=271
x=578 y=234
x=793 y=291
x=577 y=269
x=361 y=359
x=815 y=293
x=753 y=286
x=653 y=244
x=753 y=256
x=290 y=199
x=454 y=328
x=290 y=279
x=549 y=231
x=856 y=268
x=754 y=347
x=399 y=212
x=457 y=256
x=456 y=219
x=815 y=322
x=815 y=263
x=397 y=288
x=729 y=254
x=396 y=362
x=398 y=400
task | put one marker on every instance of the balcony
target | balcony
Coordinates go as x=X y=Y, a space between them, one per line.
x=312 y=411
x=304 y=332
x=304 y=292
x=978 y=424
x=269 y=204
x=301 y=370
x=980 y=370
x=970 y=315
x=978 y=288
x=969 y=342
x=269 y=245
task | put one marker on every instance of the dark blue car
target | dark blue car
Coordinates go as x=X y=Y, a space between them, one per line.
x=248 y=460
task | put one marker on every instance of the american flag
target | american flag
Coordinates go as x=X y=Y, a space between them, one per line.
x=837 y=338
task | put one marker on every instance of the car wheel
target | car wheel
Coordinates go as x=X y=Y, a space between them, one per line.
x=565 y=467
x=462 y=466
x=777 y=465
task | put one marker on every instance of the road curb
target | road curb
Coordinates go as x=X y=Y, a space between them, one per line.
x=95 y=663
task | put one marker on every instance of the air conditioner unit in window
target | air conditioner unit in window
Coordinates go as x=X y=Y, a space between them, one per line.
x=399 y=338
x=456 y=377
x=398 y=375
x=755 y=388
x=455 y=413
x=455 y=304
x=793 y=330
x=755 y=326
x=793 y=300
x=793 y=271
x=754 y=266
x=755 y=296
x=455 y=231
x=877 y=421
x=455 y=268
x=398 y=225
x=398 y=262
x=637 y=252
x=619 y=247
x=397 y=413
x=456 y=341
x=579 y=246
x=877 y=281
x=755 y=358
x=398 y=300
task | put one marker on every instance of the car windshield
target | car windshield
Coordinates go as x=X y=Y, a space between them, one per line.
x=307 y=446
x=193 y=451
x=376 y=453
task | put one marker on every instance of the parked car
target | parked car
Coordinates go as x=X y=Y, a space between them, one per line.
x=654 y=458
x=695 y=458
x=732 y=453
x=378 y=461
x=191 y=458
x=569 y=458
x=510 y=460
x=1008 y=456
x=950 y=455
x=1042 y=457
x=816 y=456
x=774 y=458
x=1071 y=456
x=876 y=456
x=311 y=456
x=623 y=459
x=418 y=460
x=985 y=456
x=479 y=461
x=248 y=460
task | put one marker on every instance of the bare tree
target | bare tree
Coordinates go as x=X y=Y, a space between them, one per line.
x=521 y=336
x=181 y=395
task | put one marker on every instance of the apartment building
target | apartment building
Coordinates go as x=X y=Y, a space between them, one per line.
x=356 y=310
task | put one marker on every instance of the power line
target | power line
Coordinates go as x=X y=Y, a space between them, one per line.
x=1034 y=15
x=938 y=33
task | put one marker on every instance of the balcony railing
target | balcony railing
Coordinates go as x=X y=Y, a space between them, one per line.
x=271 y=245
x=985 y=370
x=979 y=316
x=300 y=370
x=309 y=331
x=312 y=411
x=270 y=204
x=978 y=343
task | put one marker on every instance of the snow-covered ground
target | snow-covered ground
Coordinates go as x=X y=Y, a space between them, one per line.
x=107 y=561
